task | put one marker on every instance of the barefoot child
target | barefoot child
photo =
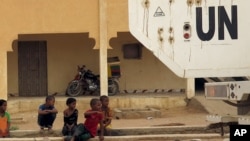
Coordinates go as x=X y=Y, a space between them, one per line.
x=93 y=117
x=47 y=113
x=70 y=117
x=107 y=112
x=4 y=119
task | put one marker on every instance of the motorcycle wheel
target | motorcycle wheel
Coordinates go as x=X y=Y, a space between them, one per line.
x=74 y=88
x=113 y=88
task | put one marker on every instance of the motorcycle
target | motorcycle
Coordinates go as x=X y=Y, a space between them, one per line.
x=85 y=81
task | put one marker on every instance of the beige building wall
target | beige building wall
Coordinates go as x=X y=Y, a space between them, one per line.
x=71 y=29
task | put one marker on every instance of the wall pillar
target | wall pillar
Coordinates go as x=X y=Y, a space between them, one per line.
x=103 y=46
x=5 y=45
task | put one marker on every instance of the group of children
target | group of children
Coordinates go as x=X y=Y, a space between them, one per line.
x=97 y=119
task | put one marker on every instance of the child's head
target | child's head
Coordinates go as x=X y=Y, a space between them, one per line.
x=104 y=100
x=71 y=103
x=3 y=105
x=50 y=100
x=95 y=104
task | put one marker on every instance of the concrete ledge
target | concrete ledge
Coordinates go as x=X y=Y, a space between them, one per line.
x=129 y=134
x=34 y=139
x=131 y=131
x=167 y=130
x=33 y=133
x=162 y=137
x=131 y=138
x=135 y=113
x=26 y=104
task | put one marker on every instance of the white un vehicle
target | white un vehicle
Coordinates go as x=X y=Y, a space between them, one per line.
x=201 y=39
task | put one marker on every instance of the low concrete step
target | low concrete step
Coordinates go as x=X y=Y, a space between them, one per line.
x=164 y=133
x=131 y=131
x=161 y=137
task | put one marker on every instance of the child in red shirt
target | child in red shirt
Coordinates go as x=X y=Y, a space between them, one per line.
x=88 y=130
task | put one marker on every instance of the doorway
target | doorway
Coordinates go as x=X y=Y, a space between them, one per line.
x=32 y=68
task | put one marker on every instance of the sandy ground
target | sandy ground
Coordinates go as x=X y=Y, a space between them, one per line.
x=185 y=116
x=193 y=114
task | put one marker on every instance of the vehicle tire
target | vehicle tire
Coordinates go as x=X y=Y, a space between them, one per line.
x=74 y=88
x=113 y=87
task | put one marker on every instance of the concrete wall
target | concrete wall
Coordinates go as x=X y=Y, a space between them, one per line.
x=159 y=102
x=71 y=29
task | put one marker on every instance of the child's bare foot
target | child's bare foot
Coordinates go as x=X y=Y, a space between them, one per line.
x=50 y=130
x=42 y=130
x=67 y=138
x=72 y=139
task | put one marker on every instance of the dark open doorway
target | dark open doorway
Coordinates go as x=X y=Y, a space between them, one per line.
x=32 y=68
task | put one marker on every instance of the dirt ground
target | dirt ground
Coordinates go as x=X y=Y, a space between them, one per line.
x=193 y=114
